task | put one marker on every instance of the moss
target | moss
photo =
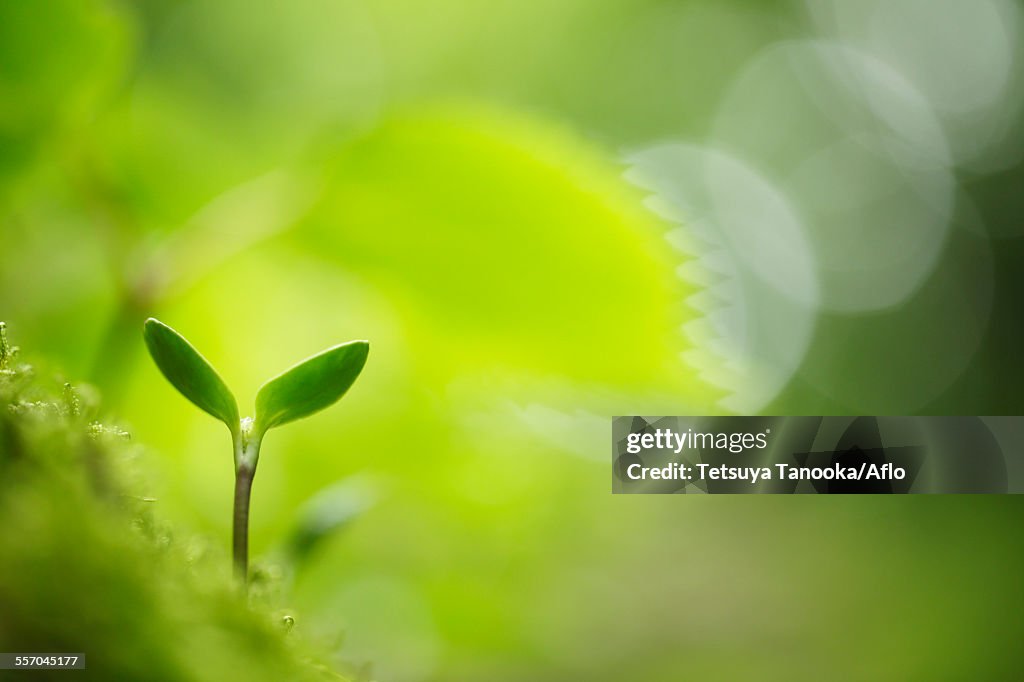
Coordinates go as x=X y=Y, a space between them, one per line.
x=86 y=567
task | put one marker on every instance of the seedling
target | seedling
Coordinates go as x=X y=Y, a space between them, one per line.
x=310 y=386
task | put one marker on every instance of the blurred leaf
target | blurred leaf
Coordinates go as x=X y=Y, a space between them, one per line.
x=508 y=242
x=310 y=386
x=328 y=512
x=190 y=373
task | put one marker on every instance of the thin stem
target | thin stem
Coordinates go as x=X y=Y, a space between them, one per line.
x=247 y=454
x=240 y=531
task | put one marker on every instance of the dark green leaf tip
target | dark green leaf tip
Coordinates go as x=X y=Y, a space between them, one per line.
x=190 y=373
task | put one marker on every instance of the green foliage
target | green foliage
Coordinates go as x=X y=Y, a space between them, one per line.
x=310 y=386
x=446 y=179
x=190 y=372
x=88 y=567
x=508 y=242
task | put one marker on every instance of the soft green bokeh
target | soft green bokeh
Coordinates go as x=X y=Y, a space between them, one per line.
x=454 y=181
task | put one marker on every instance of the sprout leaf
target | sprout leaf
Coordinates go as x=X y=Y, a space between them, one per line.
x=190 y=372
x=310 y=386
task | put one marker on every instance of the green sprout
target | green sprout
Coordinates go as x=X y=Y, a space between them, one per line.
x=310 y=386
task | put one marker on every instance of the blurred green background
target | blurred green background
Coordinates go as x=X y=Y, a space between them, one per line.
x=541 y=215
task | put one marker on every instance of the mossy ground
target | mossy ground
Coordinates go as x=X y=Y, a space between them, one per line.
x=85 y=566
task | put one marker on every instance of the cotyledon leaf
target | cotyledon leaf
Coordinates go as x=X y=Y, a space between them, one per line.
x=190 y=372
x=310 y=386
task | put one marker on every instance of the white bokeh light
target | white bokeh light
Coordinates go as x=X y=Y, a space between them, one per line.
x=963 y=56
x=748 y=252
x=861 y=155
